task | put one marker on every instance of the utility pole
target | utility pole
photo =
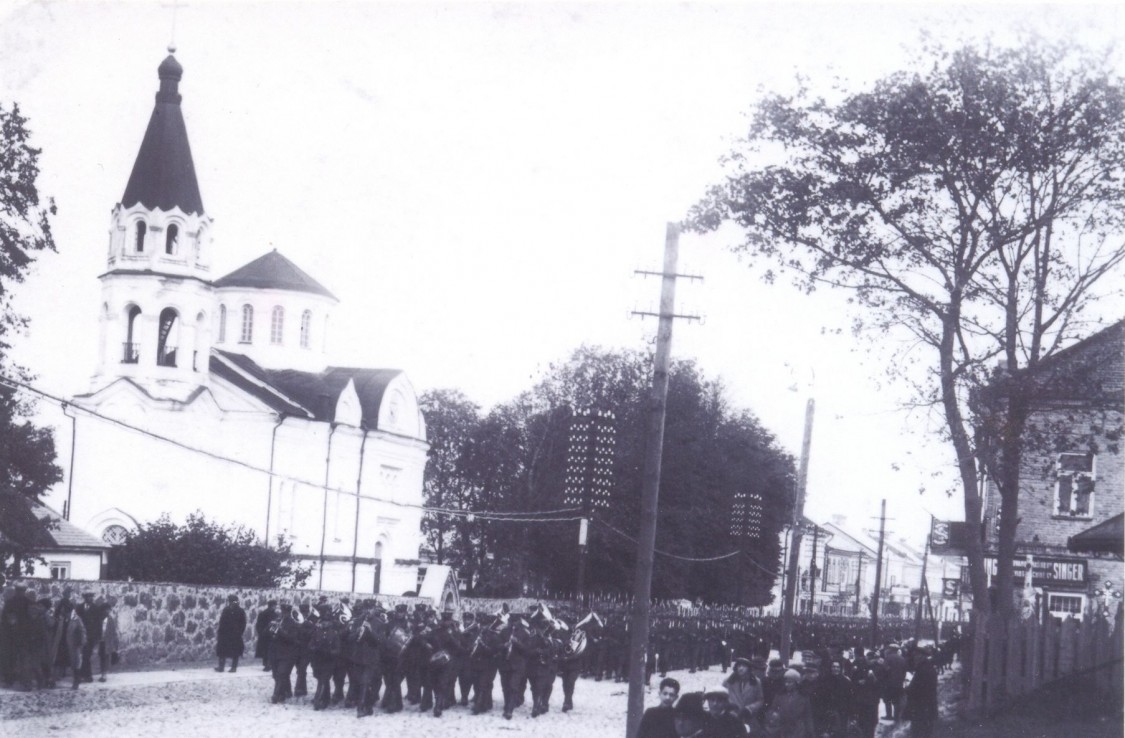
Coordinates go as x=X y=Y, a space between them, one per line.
x=922 y=588
x=650 y=489
x=813 y=569
x=791 y=579
x=878 y=577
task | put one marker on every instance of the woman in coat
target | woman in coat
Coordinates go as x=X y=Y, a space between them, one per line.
x=229 y=642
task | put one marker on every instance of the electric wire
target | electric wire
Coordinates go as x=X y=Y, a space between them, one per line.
x=534 y=516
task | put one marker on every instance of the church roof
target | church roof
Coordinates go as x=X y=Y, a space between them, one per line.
x=311 y=395
x=273 y=271
x=20 y=523
x=164 y=174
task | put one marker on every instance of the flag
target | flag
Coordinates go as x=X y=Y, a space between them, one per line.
x=948 y=538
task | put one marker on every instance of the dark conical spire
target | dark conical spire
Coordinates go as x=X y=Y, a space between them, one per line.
x=164 y=174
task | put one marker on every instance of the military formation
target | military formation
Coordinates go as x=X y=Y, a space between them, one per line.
x=364 y=656
x=42 y=641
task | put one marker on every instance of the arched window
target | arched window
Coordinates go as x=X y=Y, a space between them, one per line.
x=131 y=353
x=171 y=239
x=306 y=328
x=222 y=324
x=167 y=339
x=247 y=335
x=277 y=324
x=142 y=229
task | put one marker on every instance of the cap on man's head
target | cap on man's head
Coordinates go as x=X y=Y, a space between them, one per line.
x=777 y=664
x=792 y=675
x=717 y=692
x=743 y=660
x=690 y=705
x=87 y=593
x=271 y=603
x=232 y=598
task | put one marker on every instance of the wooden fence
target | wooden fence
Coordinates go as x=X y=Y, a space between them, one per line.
x=1009 y=657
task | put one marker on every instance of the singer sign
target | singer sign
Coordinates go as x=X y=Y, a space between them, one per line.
x=1046 y=571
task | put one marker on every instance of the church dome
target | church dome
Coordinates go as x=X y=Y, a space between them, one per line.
x=170 y=69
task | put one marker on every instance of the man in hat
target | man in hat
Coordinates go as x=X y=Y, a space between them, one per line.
x=793 y=708
x=689 y=716
x=229 y=642
x=894 y=674
x=283 y=653
x=264 y=634
x=774 y=683
x=93 y=615
x=13 y=629
x=398 y=631
x=921 y=696
x=725 y=721
x=745 y=692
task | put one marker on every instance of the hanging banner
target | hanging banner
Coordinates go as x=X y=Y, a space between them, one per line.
x=947 y=538
x=950 y=589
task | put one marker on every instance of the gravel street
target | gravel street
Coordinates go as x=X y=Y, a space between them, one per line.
x=197 y=701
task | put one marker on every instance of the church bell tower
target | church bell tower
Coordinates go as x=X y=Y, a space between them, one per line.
x=157 y=296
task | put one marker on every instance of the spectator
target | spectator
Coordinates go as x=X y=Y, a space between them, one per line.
x=793 y=709
x=229 y=640
x=657 y=722
x=745 y=691
x=921 y=697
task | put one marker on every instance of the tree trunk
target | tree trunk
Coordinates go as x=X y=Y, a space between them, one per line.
x=966 y=459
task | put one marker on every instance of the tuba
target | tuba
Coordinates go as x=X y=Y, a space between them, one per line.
x=575 y=646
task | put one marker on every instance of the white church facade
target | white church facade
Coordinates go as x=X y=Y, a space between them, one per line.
x=216 y=394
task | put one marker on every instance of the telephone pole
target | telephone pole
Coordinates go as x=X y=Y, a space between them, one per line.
x=650 y=490
x=878 y=577
x=813 y=569
x=791 y=579
x=923 y=589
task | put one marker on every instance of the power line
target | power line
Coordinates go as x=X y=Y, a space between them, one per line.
x=536 y=516
x=702 y=559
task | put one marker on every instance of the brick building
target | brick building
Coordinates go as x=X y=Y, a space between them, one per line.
x=1072 y=476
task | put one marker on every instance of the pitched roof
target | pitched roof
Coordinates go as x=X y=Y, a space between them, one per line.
x=164 y=174
x=20 y=522
x=311 y=395
x=1107 y=536
x=1092 y=369
x=273 y=271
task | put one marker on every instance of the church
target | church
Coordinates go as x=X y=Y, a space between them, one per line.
x=215 y=393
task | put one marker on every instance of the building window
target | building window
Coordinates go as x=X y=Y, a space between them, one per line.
x=131 y=354
x=167 y=340
x=1074 y=490
x=306 y=328
x=1065 y=605
x=247 y=335
x=60 y=570
x=277 y=324
x=139 y=243
x=171 y=238
x=222 y=324
x=115 y=535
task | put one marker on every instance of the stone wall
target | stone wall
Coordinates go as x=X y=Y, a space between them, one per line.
x=161 y=623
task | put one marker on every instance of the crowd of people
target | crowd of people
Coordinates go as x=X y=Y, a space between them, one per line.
x=43 y=640
x=364 y=656
x=832 y=694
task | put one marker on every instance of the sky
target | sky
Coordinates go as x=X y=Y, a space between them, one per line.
x=478 y=182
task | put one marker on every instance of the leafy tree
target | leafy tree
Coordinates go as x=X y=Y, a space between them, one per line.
x=971 y=206
x=451 y=421
x=516 y=461
x=27 y=453
x=203 y=552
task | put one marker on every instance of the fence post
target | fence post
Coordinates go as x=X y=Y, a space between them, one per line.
x=1033 y=645
x=997 y=637
x=978 y=681
x=1013 y=658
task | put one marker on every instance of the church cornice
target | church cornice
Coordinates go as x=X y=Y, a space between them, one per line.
x=154 y=273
